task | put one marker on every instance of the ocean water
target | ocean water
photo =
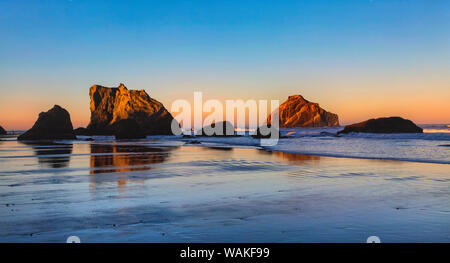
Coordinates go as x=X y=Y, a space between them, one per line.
x=170 y=189
x=432 y=146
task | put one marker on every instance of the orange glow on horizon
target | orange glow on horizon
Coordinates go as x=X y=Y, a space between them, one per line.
x=20 y=112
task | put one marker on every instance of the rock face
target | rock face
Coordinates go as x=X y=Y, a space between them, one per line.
x=111 y=105
x=296 y=111
x=383 y=125
x=51 y=125
x=2 y=131
x=225 y=128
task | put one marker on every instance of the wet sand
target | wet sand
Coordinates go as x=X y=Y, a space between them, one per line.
x=145 y=192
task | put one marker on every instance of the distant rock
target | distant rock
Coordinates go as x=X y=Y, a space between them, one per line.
x=128 y=129
x=265 y=132
x=82 y=131
x=51 y=125
x=224 y=128
x=111 y=105
x=383 y=125
x=2 y=131
x=296 y=111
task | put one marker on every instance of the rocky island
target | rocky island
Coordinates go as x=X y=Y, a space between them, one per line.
x=383 y=125
x=2 y=131
x=144 y=115
x=296 y=111
x=51 y=125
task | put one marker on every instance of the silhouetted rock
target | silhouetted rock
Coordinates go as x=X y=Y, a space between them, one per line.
x=219 y=129
x=265 y=132
x=2 y=131
x=82 y=131
x=51 y=125
x=298 y=112
x=128 y=129
x=110 y=105
x=383 y=125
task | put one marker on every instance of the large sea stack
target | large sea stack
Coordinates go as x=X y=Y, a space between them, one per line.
x=109 y=106
x=296 y=111
x=2 y=131
x=384 y=125
x=51 y=125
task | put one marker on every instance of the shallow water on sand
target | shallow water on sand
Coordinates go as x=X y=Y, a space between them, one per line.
x=146 y=191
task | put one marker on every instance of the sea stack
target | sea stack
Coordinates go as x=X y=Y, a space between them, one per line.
x=51 y=125
x=266 y=132
x=296 y=111
x=2 y=131
x=111 y=105
x=383 y=125
x=219 y=129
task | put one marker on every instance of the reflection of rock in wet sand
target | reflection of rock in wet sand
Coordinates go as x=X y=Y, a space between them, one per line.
x=293 y=157
x=52 y=155
x=219 y=148
x=122 y=159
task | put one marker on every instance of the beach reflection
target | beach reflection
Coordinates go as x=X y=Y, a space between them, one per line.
x=52 y=155
x=122 y=159
x=293 y=158
x=125 y=158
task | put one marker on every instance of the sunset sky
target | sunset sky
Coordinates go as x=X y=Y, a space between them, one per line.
x=359 y=59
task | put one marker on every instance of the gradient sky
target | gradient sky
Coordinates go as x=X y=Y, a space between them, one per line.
x=359 y=59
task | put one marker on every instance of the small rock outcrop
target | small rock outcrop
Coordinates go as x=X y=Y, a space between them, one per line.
x=82 y=131
x=51 y=125
x=383 y=125
x=111 y=105
x=296 y=111
x=2 y=131
x=265 y=132
x=219 y=129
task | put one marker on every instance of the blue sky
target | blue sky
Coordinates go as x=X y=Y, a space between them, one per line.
x=359 y=59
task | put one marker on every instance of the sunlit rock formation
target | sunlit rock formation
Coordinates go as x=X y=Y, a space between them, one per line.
x=51 y=125
x=296 y=111
x=383 y=125
x=111 y=105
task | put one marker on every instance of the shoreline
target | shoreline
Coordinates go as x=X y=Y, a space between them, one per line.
x=221 y=142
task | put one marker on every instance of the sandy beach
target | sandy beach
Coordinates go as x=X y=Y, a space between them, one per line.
x=169 y=191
